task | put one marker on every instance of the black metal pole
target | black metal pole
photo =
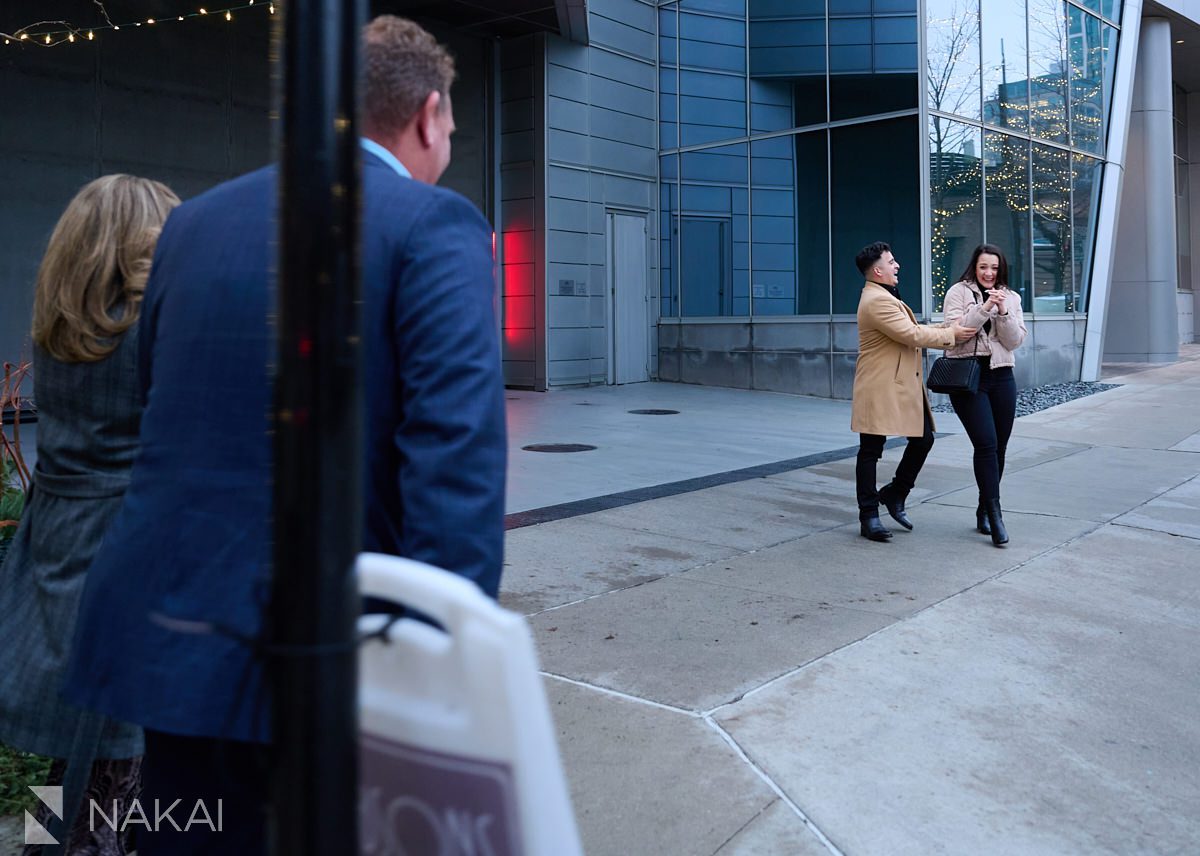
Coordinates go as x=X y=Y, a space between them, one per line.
x=318 y=436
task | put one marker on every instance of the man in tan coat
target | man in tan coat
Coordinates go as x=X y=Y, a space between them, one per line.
x=889 y=391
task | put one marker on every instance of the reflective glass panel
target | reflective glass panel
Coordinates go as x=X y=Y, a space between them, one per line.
x=876 y=189
x=712 y=77
x=1005 y=64
x=1086 y=49
x=952 y=55
x=1108 y=8
x=1048 y=70
x=1051 y=215
x=790 y=225
x=956 y=200
x=1006 y=202
x=1109 y=53
x=668 y=231
x=1085 y=204
x=668 y=77
x=872 y=63
x=714 y=232
x=787 y=64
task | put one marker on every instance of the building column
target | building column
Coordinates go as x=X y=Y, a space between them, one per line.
x=1142 y=324
x=1193 y=170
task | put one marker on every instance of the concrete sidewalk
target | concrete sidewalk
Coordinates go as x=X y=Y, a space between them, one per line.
x=734 y=670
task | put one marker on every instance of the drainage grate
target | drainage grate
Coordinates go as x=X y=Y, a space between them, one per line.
x=653 y=412
x=559 y=447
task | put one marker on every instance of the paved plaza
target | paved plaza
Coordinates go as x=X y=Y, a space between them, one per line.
x=734 y=670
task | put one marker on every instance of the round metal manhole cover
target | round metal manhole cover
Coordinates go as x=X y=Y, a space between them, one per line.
x=654 y=412
x=559 y=447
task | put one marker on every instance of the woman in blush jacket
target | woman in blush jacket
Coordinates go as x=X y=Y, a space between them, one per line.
x=981 y=298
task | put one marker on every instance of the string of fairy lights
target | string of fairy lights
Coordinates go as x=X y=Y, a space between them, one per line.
x=49 y=34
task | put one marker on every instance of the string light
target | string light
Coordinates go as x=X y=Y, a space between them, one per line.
x=54 y=33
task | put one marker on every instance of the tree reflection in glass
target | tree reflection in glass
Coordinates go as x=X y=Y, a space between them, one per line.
x=1088 y=53
x=952 y=57
x=1085 y=203
x=1006 y=183
x=1005 y=70
x=1051 y=194
x=955 y=189
x=1048 y=70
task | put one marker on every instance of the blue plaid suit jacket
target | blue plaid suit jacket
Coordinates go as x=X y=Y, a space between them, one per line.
x=190 y=545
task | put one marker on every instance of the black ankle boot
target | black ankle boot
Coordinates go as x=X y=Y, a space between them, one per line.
x=981 y=520
x=893 y=501
x=999 y=533
x=871 y=528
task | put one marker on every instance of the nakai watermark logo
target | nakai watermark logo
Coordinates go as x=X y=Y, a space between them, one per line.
x=159 y=820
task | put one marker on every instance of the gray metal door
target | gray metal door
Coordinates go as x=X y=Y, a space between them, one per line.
x=629 y=327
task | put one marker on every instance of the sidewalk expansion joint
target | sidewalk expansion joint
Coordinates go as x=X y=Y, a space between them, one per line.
x=690 y=714
x=992 y=578
x=773 y=785
x=1155 y=531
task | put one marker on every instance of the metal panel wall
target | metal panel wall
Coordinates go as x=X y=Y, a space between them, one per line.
x=187 y=105
x=601 y=153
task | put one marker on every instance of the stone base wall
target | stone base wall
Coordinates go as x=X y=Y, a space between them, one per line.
x=817 y=357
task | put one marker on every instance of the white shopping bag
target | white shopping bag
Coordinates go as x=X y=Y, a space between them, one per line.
x=458 y=754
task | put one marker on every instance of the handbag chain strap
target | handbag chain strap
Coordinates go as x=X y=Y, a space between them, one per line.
x=975 y=352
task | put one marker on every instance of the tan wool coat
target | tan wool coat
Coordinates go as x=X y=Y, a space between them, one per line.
x=889 y=388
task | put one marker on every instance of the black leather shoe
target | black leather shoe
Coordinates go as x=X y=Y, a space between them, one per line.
x=981 y=520
x=999 y=533
x=871 y=528
x=895 y=506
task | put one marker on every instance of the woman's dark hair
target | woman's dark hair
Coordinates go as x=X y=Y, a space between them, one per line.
x=992 y=250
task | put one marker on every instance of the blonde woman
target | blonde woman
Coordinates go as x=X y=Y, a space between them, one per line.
x=86 y=304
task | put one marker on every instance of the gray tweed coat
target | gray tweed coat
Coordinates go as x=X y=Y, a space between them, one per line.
x=87 y=430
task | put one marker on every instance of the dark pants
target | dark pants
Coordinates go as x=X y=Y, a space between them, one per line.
x=190 y=769
x=870 y=450
x=988 y=416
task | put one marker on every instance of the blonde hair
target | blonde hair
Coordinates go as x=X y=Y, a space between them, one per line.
x=98 y=258
x=402 y=64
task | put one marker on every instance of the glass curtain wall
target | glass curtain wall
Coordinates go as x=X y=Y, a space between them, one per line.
x=790 y=138
x=1018 y=95
x=792 y=133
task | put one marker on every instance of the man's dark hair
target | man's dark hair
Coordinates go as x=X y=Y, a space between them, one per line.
x=402 y=64
x=870 y=254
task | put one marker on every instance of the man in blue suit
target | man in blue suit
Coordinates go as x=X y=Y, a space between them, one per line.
x=176 y=595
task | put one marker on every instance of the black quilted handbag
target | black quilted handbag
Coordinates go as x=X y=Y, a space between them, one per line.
x=951 y=375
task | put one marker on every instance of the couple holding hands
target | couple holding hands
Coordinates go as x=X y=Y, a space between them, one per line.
x=983 y=322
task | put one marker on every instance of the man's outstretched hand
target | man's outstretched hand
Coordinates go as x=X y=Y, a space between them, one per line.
x=962 y=334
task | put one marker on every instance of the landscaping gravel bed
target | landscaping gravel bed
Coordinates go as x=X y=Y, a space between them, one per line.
x=1052 y=394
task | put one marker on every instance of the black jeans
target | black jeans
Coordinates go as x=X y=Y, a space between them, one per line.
x=988 y=416
x=870 y=450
